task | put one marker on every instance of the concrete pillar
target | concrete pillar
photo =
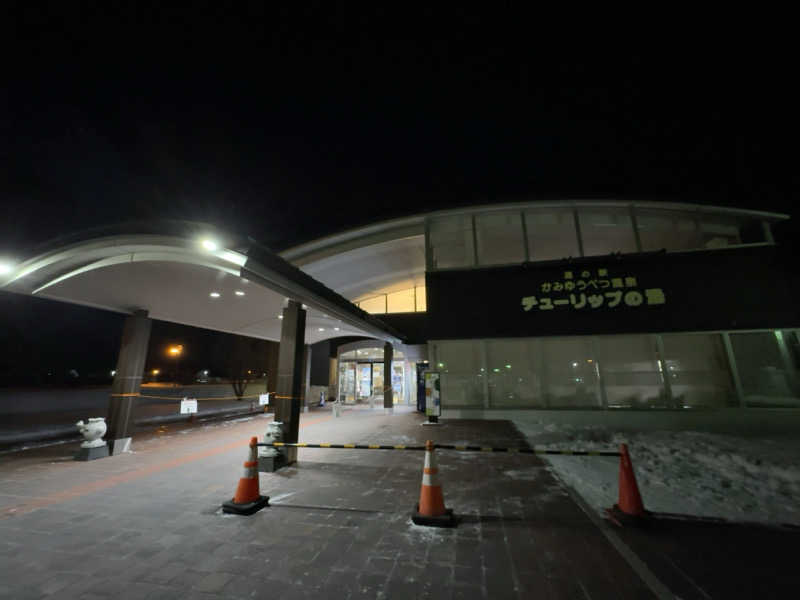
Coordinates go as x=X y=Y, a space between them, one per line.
x=388 y=353
x=333 y=379
x=272 y=367
x=127 y=381
x=307 y=399
x=290 y=374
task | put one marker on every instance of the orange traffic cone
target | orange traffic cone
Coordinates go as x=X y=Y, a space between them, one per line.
x=430 y=510
x=248 y=498
x=629 y=508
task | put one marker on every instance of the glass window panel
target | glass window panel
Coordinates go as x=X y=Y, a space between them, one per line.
x=631 y=372
x=513 y=373
x=397 y=382
x=698 y=370
x=377 y=379
x=451 y=242
x=606 y=231
x=551 y=234
x=461 y=377
x=499 y=238
x=569 y=374
x=422 y=299
x=719 y=232
x=667 y=230
x=375 y=305
x=766 y=381
x=347 y=382
x=400 y=302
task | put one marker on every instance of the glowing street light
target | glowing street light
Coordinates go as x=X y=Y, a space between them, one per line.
x=176 y=351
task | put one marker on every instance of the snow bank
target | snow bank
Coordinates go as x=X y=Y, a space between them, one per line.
x=684 y=472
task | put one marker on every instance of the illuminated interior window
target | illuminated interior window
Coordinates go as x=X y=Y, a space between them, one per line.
x=404 y=301
x=401 y=302
x=375 y=305
x=422 y=302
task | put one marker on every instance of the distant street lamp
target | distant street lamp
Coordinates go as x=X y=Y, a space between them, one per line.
x=176 y=352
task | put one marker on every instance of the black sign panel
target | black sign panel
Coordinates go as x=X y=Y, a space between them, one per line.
x=738 y=288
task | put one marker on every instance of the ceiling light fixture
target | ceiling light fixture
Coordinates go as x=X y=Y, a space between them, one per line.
x=239 y=293
x=214 y=294
x=210 y=245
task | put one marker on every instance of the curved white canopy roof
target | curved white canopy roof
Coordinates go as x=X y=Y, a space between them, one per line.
x=194 y=276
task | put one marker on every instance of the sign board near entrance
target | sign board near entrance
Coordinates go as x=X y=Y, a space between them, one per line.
x=433 y=394
x=263 y=399
x=188 y=406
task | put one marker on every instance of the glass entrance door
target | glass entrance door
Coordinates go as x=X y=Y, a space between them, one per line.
x=377 y=378
x=347 y=382
x=397 y=382
x=364 y=381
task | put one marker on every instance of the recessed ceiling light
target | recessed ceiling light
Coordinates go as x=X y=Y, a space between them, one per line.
x=280 y=316
x=210 y=245
x=214 y=294
x=239 y=293
x=321 y=329
x=336 y=329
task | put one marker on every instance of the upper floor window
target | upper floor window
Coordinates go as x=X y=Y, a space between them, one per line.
x=551 y=233
x=606 y=230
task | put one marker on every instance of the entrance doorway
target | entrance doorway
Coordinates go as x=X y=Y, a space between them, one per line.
x=361 y=376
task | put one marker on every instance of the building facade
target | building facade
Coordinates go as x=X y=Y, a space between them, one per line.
x=576 y=305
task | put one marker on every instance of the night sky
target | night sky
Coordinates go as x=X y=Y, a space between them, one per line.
x=287 y=125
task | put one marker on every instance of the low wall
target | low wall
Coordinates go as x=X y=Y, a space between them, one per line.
x=22 y=400
x=735 y=421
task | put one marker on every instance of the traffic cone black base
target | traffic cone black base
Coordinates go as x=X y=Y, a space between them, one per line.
x=448 y=519
x=621 y=518
x=248 y=508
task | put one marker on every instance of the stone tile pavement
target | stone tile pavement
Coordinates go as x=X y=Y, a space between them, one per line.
x=148 y=524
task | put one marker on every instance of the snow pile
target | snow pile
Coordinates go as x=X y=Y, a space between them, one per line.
x=683 y=472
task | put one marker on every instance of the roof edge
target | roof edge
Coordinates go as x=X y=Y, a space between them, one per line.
x=302 y=251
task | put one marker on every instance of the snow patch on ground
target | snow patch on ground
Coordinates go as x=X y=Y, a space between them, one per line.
x=424 y=534
x=683 y=472
x=531 y=474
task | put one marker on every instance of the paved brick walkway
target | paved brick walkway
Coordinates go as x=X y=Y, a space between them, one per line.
x=148 y=524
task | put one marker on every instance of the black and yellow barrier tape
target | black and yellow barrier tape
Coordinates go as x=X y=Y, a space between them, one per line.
x=443 y=447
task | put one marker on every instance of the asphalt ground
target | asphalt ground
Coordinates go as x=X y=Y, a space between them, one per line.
x=148 y=524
